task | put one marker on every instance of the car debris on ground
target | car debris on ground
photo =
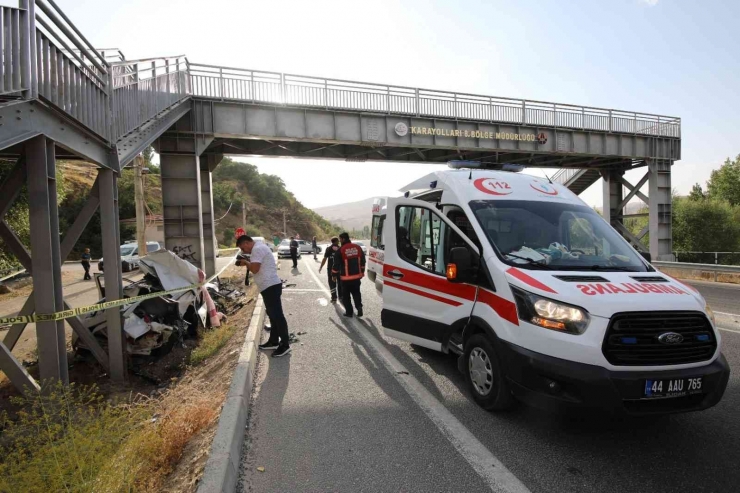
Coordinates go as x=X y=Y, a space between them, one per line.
x=153 y=326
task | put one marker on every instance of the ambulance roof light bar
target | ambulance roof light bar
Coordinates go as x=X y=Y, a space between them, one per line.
x=462 y=164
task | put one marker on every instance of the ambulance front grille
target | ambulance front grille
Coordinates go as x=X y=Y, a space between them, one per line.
x=632 y=338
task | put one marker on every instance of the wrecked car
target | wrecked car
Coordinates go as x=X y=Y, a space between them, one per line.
x=152 y=326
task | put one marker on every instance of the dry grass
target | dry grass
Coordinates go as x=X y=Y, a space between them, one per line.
x=70 y=440
x=151 y=453
x=211 y=342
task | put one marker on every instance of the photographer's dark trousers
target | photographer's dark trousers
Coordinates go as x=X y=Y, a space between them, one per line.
x=274 y=307
x=294 y=257
x=351 y=289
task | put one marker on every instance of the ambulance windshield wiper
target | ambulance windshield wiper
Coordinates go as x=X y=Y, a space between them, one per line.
x=532 y=261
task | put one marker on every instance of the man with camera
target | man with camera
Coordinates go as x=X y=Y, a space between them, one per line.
x=261 y=263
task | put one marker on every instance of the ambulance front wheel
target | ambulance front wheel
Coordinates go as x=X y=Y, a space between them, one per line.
x=485 y=376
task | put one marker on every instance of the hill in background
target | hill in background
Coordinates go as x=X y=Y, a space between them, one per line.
x=350 y=216
x=234 y=184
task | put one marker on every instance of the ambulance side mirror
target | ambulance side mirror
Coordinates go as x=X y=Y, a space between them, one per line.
x=460 y=268
x=646 y=256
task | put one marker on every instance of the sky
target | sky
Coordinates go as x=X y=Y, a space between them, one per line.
x=667 y=57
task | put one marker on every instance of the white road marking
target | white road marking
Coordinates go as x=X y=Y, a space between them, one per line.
x=729 y=330
x=728 y=314
x=490 y=469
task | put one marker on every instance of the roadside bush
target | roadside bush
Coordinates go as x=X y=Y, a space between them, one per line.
x=705 y=225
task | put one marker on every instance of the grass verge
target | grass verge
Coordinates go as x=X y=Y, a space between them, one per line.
x=210 y=343
x=69 y=439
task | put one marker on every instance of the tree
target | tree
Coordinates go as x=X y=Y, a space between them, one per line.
x=724 y=183
x=697 y=193
x=18 y=217
x=705 y=225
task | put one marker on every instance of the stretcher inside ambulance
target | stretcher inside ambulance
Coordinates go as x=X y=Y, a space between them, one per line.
x=541 y=298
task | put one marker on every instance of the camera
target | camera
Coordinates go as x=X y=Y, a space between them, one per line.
x=242 y=256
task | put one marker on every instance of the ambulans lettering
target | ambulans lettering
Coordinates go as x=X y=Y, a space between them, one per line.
x=628 y=288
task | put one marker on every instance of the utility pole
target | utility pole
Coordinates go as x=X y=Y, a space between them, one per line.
x=244 y=215
x=285 y=226
x=139 y=199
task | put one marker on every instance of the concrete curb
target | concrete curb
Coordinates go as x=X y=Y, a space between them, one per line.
x=222 y=469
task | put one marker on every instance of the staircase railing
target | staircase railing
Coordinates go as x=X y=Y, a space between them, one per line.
x=563 y=176
x=43 y=55
x=144 y=88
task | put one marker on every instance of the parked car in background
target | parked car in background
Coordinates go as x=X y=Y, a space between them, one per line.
x=130 y=255
x=284 y=249
x=305 y=247
x=361 y=245
x=261 y=239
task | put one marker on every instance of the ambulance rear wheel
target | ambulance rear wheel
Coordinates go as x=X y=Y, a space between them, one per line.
x=484 y=374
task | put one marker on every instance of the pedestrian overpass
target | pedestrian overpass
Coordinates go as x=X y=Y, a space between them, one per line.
x=61 y=98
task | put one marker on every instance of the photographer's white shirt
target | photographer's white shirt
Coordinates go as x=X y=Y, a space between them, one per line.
x=267 y=276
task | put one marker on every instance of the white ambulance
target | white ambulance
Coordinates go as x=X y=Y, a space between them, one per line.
x=542 y=299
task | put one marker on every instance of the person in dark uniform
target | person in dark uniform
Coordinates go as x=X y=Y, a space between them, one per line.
x=85 y=261
x=329 y=257
x=314 y=247
x=294 y=251
x=349 y=266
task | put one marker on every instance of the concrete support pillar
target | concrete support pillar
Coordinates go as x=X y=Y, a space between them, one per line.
x=661 y=235
x=107 y=181
x=612 y=197
x=47 y=275
x=182 y=207
x=210 y=242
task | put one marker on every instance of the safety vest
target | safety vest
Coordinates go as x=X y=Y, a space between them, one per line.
x=349 y=262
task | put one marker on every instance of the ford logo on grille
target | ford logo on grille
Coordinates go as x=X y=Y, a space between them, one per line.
x=670 y=338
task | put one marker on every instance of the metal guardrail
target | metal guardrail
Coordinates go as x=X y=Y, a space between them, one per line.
x=730 y=269
x=228 y=83
x=714 y=268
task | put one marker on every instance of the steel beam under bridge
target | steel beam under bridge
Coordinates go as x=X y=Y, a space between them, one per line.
x=277 y=130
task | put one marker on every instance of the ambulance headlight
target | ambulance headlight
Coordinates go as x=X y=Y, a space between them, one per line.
x=550 y=314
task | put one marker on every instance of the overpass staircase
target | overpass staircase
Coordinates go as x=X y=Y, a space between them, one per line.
x=577 y=180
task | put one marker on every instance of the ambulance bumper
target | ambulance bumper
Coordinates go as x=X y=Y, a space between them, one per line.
x=557 y=384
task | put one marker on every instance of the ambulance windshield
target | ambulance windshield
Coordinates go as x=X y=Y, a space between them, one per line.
x=555 y=236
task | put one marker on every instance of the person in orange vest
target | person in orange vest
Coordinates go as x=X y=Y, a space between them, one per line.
x=349 y=267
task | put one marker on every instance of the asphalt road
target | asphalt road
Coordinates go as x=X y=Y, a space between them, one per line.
x=335 y=416
x=722 y=297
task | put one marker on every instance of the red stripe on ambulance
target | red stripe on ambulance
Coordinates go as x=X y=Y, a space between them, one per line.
x=527 y=279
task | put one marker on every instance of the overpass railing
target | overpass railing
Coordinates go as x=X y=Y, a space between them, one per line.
x=144 y=88
x=228 y=83
x=43 y=55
